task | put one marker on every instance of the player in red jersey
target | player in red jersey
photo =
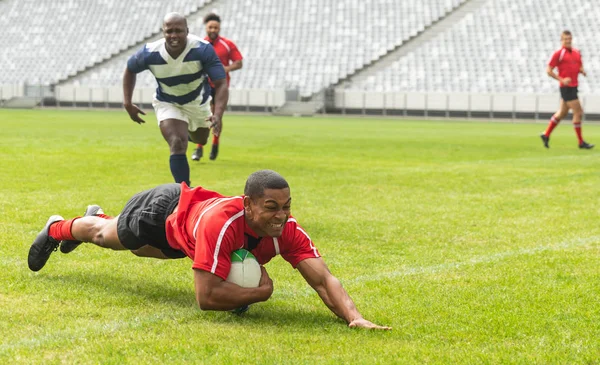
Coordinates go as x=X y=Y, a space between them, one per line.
x=568 y=61
x=230 y=57
x=174 y=221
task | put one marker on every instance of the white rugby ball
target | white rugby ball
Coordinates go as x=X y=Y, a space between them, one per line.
x=245 y=270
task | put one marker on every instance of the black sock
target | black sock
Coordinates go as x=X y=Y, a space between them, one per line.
x=180 y=169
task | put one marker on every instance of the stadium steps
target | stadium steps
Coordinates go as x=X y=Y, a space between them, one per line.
x=415 y=42
x=133 y=48
x=23 y=102
x=299 y=108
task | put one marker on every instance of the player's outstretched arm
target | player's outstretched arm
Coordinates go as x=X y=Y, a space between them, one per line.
x=329 y=288
x=214 y=293
x=129 y=79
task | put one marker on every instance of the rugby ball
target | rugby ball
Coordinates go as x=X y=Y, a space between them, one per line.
x=245 y=270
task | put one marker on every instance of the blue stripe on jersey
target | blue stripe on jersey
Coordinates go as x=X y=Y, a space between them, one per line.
x=181 y=79
x=211 y=64
x=187 y=98
x=142 y=59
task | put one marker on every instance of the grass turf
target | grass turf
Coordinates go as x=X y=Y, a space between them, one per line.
x=475 y=243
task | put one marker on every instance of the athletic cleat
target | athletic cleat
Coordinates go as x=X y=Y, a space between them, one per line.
x=545 y=139
x=214 y=152
x=70 y=245
x=586 y=146
x=197 y=154
x=43 y=246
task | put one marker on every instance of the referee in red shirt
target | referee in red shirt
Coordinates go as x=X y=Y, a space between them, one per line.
x=568 y=61
x=230 y=57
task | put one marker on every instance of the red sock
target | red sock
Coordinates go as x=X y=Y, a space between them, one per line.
x=104 y=216
x=553 y=123
x=199 y=146
x=61 y=230
x=215 y=139
x=578 y=132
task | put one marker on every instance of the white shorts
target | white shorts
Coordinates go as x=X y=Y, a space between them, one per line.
x=193 y=113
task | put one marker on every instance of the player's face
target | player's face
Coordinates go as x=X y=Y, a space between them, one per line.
x=268 y=215
x=566 y=40
x=175 y=34
x=212 y=29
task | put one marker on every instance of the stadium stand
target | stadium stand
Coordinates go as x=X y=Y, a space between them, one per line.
x=502 y=47
x=304 y=44
x=44 y=42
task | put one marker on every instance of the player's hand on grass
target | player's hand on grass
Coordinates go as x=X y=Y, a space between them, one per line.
x=133 y=112
x=265 y=283
x=216 y=124
x=363 y=323
x=566 y=81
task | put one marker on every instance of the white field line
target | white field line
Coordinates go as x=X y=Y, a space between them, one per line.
x=416 y=270
x=114 y=326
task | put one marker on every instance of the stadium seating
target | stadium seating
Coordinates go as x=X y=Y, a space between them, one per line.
x=502 y=47
x=46 y=41
x=305 y=44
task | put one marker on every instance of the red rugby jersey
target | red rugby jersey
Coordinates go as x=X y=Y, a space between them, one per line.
x=208 y=227
x=568 y=62
x=226 y=50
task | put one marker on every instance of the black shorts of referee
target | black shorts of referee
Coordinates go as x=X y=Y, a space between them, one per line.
x=568 y=93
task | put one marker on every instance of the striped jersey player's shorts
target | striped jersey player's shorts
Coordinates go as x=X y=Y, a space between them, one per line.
x=193 y=113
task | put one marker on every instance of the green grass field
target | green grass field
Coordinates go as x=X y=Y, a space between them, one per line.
x=473 y=241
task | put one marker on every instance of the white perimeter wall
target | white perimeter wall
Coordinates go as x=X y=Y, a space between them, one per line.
x=237 y=97
x=498 y=102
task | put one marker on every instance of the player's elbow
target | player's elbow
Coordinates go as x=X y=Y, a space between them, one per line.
x=205 y=303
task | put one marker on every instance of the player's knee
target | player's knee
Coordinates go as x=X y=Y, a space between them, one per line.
x=138 y=253
x=177 y=144
x=100 y=232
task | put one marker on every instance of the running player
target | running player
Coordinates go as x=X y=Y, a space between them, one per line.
x=568 y=61
x=232 y=60
x=181 y=64
x=173 y=221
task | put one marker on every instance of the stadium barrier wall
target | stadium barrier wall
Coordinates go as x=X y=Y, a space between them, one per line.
x=106 y=97
x=469 y=105
x=10 y=91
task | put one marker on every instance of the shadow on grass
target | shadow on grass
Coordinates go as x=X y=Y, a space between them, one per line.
x=264 y=314
x=149 y=290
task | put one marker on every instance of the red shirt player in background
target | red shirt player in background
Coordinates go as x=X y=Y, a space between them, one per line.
x=230 y=57
x=568 y=61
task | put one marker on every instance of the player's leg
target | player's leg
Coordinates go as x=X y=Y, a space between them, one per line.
x=100 y=231
x=575 y=106
x=214 y=151
x=175 y=132
x=199 y=128
x=554 y=120
x=200 y=135
x=149 y=251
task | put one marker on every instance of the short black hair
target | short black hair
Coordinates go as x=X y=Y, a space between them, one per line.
x=211 y=17
x=261 y=180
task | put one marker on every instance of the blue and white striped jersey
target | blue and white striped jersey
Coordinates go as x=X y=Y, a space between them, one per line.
x=184 y=79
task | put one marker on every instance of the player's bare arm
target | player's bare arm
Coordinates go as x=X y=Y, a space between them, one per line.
x=221 y=98
x=550 y=71
x=329 y=288
x=582 y=71
x=214 y=293
x=235 y=65
x=129 y=79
